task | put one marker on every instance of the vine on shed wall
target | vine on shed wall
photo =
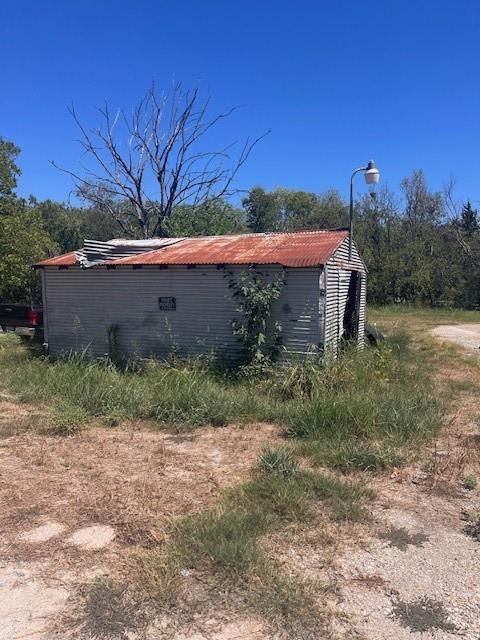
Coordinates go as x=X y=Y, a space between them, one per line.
x=261 y=339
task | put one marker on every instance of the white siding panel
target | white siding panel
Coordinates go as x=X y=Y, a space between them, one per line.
x=82 y=303
x=338 y=270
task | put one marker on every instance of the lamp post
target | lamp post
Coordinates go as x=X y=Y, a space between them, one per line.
x=372 y=176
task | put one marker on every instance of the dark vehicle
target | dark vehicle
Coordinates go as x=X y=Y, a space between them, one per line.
x=25 y=320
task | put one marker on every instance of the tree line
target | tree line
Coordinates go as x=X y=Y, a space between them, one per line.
x=420 y=246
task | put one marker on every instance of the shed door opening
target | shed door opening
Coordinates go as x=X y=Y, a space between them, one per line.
x=351 y=316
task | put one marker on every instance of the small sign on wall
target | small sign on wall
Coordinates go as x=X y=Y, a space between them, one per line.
x=167 y=303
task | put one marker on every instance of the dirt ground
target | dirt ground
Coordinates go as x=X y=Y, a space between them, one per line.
x=70 y=507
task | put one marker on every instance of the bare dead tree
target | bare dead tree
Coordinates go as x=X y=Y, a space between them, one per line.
x=159 y=164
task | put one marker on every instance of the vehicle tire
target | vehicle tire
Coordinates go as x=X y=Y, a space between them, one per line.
x=373 y=335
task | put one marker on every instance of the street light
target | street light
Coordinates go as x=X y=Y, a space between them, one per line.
x=372 y=176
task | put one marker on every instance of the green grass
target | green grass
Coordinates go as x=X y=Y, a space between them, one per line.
x=278 y=498
x=288 y=603
x=363 y=411
x=220 y=539
x=280 y=461
x=414 y=318
x=225 y=538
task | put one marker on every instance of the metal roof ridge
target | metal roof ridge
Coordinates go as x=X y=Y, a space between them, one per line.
x=233 y=240
x=270 y=233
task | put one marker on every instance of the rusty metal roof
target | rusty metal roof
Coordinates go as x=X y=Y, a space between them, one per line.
x=288 y=249
x=59 y=261
x=301 y=249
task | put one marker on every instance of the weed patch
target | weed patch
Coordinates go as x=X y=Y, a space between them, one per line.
x=289 y=604
x=401 y=538
x=281 y=461
x=223 y=540
x=106 y=613
x=470 y=482
x=472 y=528
x=423 y=615
x=68 y=419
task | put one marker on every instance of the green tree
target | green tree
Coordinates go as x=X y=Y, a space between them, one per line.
x=303 y=211
x=420 y=251
x=469 y=221
x=9 y=172
x=23 y=238
x=293 y=210
x=69 y=226
x=23 y=241
x=378 y=236
x=213 y=218
x=63 y=224
x=262 y=210
x=464 y=258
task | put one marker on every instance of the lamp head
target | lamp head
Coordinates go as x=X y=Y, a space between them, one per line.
x=372 y=174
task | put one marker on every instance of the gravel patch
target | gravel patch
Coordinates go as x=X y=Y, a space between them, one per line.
x=92 y=538
x=432 y=587
x=27 y=605
x=466 y=335
x=43 y=532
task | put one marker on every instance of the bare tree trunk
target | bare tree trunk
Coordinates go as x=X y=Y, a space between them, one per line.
x=144 y=165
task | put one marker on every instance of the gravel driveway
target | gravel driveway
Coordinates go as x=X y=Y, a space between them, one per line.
x=466 y=335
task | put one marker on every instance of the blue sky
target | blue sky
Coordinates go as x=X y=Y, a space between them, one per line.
x=337 y=82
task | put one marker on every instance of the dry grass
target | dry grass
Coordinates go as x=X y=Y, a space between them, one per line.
x=454 y=453
x=129 y=478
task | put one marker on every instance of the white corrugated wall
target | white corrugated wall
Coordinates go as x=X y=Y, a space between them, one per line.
x=338 y=270
x=81 y=303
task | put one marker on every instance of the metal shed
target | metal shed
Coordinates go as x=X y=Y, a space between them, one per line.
x=174 y=293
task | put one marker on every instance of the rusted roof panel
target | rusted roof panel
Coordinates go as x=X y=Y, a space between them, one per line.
x=65 y=260
x=303 y=249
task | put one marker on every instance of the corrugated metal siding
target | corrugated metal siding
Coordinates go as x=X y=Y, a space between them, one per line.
x=299 y=310
x=337 y=279
x=81 y=305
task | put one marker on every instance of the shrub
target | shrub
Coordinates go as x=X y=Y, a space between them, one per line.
x=259 y=336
